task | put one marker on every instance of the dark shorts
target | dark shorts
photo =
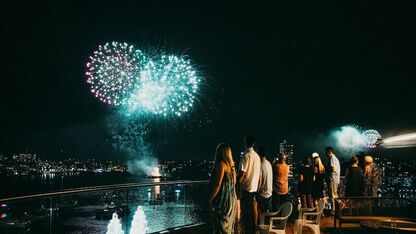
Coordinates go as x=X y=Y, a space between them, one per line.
x=263 y=203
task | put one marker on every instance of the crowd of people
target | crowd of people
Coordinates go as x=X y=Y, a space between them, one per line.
x=239 y=197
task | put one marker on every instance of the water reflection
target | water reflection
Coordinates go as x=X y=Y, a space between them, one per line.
x=154 y=208
x=157 y=187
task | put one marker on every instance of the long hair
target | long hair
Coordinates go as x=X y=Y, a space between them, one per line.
x=318 y=164
x=221 y=154
x=368 y=160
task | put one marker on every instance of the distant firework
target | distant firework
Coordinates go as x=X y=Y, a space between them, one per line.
x=113 y=70
x=354 y=138
x=371 y=137
x=349 y=136
x=167 y=87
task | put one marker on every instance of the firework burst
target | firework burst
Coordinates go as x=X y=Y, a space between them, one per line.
x=353 y=138
x=168 y=86
x=371 y=137
x=113 y=70
x=164 y=85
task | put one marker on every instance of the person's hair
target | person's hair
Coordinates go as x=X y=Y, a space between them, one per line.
x=306 y=160
x=329 y=148
x=318 y=164
x=368 y=160
x=354 y=160
x=221 y=154
x=250 y=140
x=262 y=151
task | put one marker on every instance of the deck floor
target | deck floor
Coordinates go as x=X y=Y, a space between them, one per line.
x=327 y=226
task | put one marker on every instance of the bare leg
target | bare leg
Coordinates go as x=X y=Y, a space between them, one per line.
x=255 y=212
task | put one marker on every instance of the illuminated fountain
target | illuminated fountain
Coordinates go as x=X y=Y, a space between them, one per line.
x=114 y=227
x=139 y=223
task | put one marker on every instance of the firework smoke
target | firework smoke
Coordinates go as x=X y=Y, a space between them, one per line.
x=129 y=137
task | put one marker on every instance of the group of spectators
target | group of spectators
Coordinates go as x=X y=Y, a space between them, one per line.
x=362 y=182
x=312 y=177
x=238 y=197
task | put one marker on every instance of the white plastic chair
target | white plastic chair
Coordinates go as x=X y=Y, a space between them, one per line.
x=277 y=223
x=313 y=223
x=303 y=210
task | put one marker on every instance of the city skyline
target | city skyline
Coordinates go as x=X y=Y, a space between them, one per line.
x=268 y=71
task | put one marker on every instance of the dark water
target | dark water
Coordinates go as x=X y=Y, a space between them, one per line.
x=182 y=204
x=23 y=185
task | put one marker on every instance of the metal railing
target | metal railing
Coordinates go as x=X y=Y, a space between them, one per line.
x=358 y=209
x=102 y=188
x=164 y=204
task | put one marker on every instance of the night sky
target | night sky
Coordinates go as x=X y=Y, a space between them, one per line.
x=278 y=70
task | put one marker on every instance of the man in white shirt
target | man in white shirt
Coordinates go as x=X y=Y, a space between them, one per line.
x=333 y=171
x=264 y=196
x=248 y=178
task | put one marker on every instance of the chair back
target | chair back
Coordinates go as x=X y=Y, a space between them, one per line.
x=286 y=210
x=321 y=206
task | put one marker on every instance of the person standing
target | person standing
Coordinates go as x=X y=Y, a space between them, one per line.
x=222 y=198
x=333 y=171
x=248 y=179
x=372 y=177
x=318 y=179
x=280 y=182
x=354 y=179
x=305 y=183
x=265 y=192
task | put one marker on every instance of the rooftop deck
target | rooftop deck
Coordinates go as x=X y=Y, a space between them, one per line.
x=327 y=227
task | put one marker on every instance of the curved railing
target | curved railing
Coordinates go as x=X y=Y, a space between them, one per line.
x=375 y=211
x=164 y=205
x=102 y=188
